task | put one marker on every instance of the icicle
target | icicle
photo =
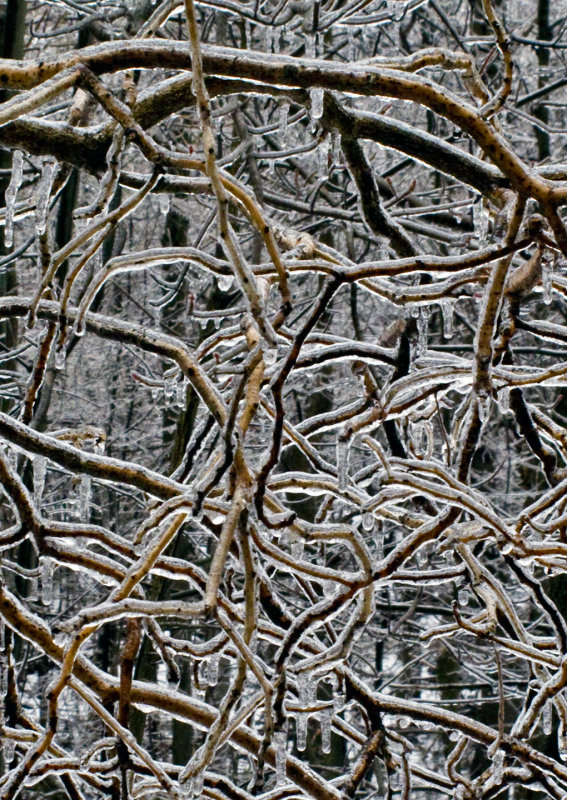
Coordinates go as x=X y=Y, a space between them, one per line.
x=280 y=746
x=3 y=677
x=325 y=718
x=213 y=670
x=11 y=194
x=504 y=399
x=459 y=791
x=547 y=279
x=169 y=386
x=480 y=222
x=39 y=468
x=463 y=596
x=301 y=722
x=33 y=592
x=84 y=497
x=9 y=750
x=323 y=157
x=547 y=719
x=447 y=310
x=316 y=95
x=225 y=282
x=198 y=783
x=380 y=546
x=336 y=149
x=164 y=200
x=60 y=357
x=368 y=521
x=269 y=352
x=43 y=194
x=282 y=128
x=343 y=457
x=562 y=746
x=297 y=546
x=351 y=44
x=498 y=766
x=394 y=780
x=47 y=569
x=484 y=402
x=181 y=393
x=422 y=326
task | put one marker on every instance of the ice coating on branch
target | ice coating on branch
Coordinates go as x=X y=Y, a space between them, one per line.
x=280 y=747
x=11 y=194
x=325 y=717
x=343 y=458
x=39 y=469
x=47 y=569
x=316 y=95
x=43 y=194
x=282 y=127
x=84 y=497
x=547 y=719
x=448 y=313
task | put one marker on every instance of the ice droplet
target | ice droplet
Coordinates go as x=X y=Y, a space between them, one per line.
x=316 y=95
x=225 y=282
x=47 y=570
x=84 y=497
x=282 y=128
x=280 y=746
x=325 y=718
x=547 y=719
x=343 y=457
x=447 y=310
x=169 y=386
x=11 y=194
x=39 y=469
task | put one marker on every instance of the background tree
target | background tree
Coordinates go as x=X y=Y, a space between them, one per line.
x=283 y=449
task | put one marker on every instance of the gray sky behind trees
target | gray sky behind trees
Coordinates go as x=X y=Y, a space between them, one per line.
x=283 y=450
